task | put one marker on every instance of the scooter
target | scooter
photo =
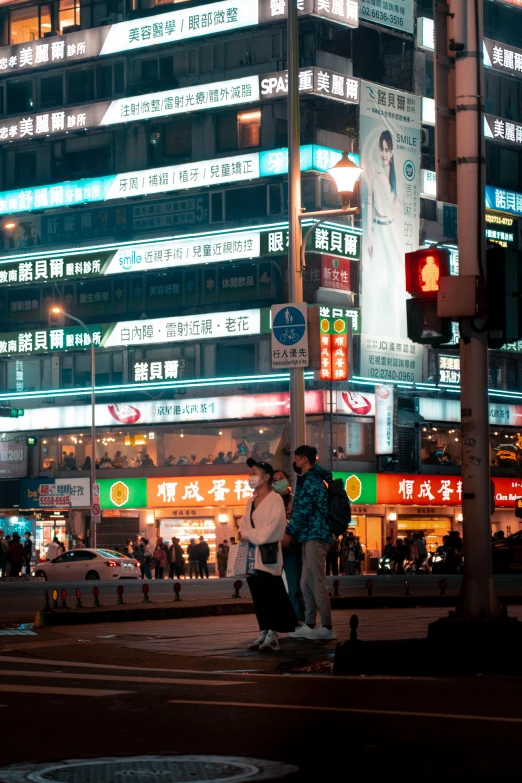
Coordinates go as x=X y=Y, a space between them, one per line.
x=386 y=565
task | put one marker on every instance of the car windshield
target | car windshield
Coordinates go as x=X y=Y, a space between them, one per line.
x=109 y=553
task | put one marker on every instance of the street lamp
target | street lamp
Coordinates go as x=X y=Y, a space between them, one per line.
x=59 y=311
x=345 y=174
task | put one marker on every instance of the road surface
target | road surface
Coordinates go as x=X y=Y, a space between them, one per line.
x=20 y=602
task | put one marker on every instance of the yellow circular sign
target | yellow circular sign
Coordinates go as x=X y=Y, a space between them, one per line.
x=339 y=325
x=353 y=488
x=325 y=325
x=119 y=493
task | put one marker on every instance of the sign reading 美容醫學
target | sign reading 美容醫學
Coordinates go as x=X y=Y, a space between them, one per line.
x=178 y=25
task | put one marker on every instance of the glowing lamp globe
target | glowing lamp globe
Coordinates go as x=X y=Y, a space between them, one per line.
x=345 y=174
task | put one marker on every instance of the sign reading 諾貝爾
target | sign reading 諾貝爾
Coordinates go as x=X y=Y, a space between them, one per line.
x=143 y=332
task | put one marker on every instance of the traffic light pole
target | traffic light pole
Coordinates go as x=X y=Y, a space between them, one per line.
x=477 y=597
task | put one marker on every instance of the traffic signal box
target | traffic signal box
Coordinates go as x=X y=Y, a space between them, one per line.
x=424 y=270
x=11 y=413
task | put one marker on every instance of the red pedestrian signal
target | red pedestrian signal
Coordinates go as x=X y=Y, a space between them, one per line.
x=518 y=507
x=424 y=268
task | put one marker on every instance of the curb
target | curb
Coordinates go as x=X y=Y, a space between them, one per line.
x=164 y=611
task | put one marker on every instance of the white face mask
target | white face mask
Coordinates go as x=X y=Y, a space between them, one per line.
x=253 y=481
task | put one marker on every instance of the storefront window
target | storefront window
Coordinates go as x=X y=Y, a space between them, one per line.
x=186 y=529
x=441 y=446
x=29 y=24
x=215 y=445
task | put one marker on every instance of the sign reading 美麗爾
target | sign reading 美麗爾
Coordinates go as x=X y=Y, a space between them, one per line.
x=313 y=80
x=183 y=100
x=141 y=333
x=154 y=412
x=289 y=335
x=502 y=130
x=170 y=27
x=178 y=25
x=502 y=57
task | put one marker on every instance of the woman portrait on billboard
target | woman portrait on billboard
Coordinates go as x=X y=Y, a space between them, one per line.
x=384 y=293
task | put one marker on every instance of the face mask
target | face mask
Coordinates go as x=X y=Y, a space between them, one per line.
x=296 y=468
x=280 y=486
x=253 y=481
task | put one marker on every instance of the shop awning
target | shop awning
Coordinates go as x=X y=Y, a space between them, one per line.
x=409 y=417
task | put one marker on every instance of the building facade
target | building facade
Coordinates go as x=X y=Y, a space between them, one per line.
x=143 y=190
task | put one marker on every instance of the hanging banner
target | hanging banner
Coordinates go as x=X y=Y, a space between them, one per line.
x=390 y=200
x=385 y=420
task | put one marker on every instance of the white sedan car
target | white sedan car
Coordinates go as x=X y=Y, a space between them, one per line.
x=88 y=564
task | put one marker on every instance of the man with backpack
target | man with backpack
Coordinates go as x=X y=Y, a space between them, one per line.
x=310 y=525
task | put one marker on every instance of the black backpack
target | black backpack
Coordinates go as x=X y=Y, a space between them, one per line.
x=339 y=509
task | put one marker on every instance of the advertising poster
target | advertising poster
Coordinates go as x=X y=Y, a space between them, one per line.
x=390 y=201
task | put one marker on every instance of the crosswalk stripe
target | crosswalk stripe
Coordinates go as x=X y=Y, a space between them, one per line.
x=116 y=678
x=349 y=710
x=51 y=690
x=83 y=664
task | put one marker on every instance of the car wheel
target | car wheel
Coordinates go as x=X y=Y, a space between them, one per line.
x=41 y=573
x=92 y=575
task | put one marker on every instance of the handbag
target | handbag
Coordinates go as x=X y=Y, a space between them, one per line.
x=268 y=552
x=241 y=560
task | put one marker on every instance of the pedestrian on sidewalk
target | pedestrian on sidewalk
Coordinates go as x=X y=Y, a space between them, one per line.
x=15 y=556
x=193 y=556
x=180 y=561
x=222 y=560
x=309 y=525
x=171 y=558
x=292 y=556
x=263 y=525
x=148 y=556
x=53 y=550
x=160 y=559
x=332 y=558
x=138 y=552
x=351 y=554
x=203 y=556
x=28 y=552
x=3 y=553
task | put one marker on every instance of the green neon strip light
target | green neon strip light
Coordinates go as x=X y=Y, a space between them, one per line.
x=148 y=387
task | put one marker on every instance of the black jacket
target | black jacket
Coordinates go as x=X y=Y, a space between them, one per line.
x=28 y=548
x=204 y=551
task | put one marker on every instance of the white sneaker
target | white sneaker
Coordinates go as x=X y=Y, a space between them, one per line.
x=271 y=642
x=302 y=632
x=321 y=634
x=258 y=642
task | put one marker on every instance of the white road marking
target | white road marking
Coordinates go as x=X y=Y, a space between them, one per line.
x=354 y=710
x=83 y=664
x=115 y=678
x=56 y=691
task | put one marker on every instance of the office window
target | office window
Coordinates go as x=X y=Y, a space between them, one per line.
x=146 y=70
x=51 y=91
x=29 y=24
x=19 y=96
x=248 y=129
x=68 y=14
x=177 y=138
x=25 y=169
x=216 y=207
x=226 y=132
x=80 y=85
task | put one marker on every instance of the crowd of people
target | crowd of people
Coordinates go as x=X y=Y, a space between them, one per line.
x=171 y=560
x=15 y=554
x=119 y=460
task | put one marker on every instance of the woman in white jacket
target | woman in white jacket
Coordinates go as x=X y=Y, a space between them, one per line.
x=264 y=523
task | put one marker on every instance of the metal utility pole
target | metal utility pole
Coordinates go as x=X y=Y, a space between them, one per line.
x=295 y=281
x=477 y=597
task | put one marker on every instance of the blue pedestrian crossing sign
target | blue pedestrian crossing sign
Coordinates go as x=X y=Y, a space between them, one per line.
x=289 y=336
